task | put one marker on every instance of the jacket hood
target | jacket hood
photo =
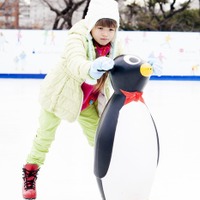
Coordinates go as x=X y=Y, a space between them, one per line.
x=99 y=9
x=79 y=28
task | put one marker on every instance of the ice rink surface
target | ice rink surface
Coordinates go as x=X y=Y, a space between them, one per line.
x=68 y=171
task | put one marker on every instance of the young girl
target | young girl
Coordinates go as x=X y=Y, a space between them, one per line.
x=77 y=88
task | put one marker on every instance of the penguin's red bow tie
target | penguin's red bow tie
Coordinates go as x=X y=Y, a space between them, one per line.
x=132 y=96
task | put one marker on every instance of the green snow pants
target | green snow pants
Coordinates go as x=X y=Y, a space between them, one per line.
x=48 y=124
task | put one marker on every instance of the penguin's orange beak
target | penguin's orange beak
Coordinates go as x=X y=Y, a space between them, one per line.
x=146 y=70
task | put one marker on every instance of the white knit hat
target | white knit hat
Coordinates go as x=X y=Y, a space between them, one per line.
x=99 y=9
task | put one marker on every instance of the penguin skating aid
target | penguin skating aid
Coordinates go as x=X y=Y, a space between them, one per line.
x=127 y=144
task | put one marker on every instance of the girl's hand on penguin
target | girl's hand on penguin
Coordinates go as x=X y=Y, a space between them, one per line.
x=100 y=66
x=157 y=66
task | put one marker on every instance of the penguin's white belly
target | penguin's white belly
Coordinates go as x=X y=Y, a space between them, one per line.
x=134 y=157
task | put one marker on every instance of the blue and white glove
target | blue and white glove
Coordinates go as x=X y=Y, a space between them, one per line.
x=157 y=66
x=100 y=66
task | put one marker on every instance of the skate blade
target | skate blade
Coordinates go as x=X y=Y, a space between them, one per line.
x=30 y=199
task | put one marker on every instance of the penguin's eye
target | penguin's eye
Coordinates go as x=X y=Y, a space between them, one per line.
x=132 y=60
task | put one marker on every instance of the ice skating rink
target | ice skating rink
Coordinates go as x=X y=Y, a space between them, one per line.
x=68 y=171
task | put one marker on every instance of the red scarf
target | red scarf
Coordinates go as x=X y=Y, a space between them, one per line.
x=102 y=50
x=132 y=96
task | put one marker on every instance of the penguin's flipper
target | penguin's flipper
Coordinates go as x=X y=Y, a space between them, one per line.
x=99 y=182
x=105 y=135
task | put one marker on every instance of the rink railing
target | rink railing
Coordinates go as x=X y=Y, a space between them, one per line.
x=159 y=78
x=23 y=57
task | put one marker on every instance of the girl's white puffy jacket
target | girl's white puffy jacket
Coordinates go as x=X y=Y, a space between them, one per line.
x=61 y=91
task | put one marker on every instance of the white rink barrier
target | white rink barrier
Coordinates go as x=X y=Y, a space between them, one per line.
x=33 y=52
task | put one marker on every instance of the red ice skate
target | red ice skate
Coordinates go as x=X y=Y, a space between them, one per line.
x=29 y=177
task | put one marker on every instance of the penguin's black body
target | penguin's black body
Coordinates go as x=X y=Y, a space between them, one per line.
x=127 y=144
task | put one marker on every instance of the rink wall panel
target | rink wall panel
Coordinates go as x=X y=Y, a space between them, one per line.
x=31 y=53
